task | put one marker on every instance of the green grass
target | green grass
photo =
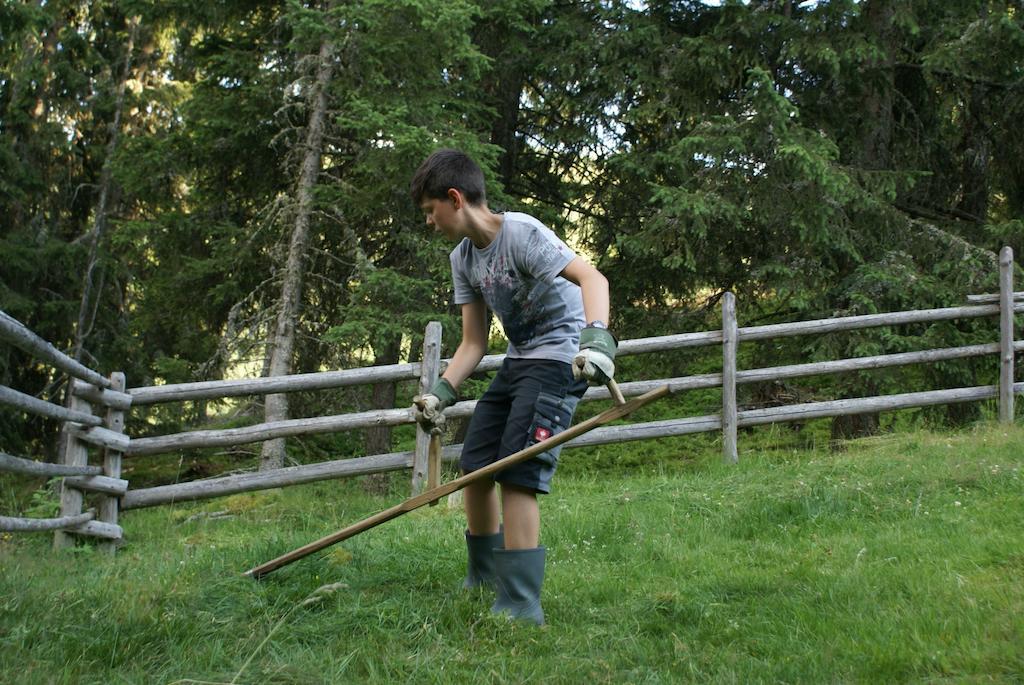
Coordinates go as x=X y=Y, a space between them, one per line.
x=897 y=559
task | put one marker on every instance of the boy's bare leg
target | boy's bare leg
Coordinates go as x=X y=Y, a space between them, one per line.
x=481 y=500
x=522 y=517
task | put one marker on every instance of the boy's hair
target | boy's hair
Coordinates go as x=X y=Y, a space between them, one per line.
x=446 y=169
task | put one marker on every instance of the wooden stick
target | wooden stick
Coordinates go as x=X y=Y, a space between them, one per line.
x=613 y=390
x=434 y=463
x=429 y=496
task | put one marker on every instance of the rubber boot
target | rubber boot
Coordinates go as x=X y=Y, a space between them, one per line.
x=480 y=552
x=520 y=575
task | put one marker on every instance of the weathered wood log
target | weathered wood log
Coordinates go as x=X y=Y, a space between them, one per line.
x=668 y=428
x=263 y=480
x=265 y=431
x=17 y=334
x=1006 y=335
x=846 y=323
x=103 y=437
x=112 y=462
x=863 y=405
x=76 y=453
x=729 y=408
x=40 y=407
x=98 y=529
x=992 y=298
x=663 y=343
x=323 y=380
x=38 y=468
x=102 y=396
x=430 y=370
x=103 y=484
x=714 y=380
x=26 y=525
x=865 y=363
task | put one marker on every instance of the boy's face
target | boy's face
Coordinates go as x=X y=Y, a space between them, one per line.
x=443 y=215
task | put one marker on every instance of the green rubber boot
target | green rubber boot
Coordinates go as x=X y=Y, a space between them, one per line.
x=480 y=552
x=520 y=575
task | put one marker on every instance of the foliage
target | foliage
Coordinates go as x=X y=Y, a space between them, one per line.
x=818 y=159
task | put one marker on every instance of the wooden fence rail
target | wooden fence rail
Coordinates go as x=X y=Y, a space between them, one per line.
x=324 y=380
x=17 y=334
x=394 y=417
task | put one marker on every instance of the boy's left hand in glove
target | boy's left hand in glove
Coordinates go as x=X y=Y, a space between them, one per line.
x=595 y=361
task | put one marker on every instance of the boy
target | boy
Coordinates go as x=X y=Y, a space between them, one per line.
x=544 y=295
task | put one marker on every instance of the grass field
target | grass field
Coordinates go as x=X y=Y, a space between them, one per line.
x=898 y=559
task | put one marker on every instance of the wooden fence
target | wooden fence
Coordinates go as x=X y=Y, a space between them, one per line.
x=82 y=427
x=93 y=392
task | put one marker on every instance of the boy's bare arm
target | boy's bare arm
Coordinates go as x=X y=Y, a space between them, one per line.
x=473 y=346
x=594 y=286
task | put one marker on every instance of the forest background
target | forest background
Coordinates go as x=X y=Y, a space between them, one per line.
x=199 y=189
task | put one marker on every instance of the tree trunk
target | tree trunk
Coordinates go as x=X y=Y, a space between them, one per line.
x=875 y=151
x=86 y=309
x=880 y=86
x=282 y=347
x=976 y=151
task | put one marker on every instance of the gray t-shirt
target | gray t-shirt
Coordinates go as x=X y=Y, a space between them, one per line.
x=517 y=277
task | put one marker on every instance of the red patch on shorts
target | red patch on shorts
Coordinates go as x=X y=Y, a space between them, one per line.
x=541 y=434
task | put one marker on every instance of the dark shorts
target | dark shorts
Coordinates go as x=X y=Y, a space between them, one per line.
x=528 y=400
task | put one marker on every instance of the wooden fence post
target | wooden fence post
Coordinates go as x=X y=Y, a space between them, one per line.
x=1006 y=335
x=109 y=504
x=430 y=369
x=76 y=453
x=730 y=339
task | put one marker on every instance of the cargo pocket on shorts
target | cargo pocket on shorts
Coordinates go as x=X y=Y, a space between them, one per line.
x=552 y=415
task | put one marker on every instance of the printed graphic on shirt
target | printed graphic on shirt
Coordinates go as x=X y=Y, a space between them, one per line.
x=517 y=276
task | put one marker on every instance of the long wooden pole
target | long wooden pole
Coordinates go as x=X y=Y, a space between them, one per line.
x=616 y=412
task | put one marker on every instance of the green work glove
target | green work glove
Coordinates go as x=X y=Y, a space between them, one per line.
x=429 y=406
x=595 y=360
